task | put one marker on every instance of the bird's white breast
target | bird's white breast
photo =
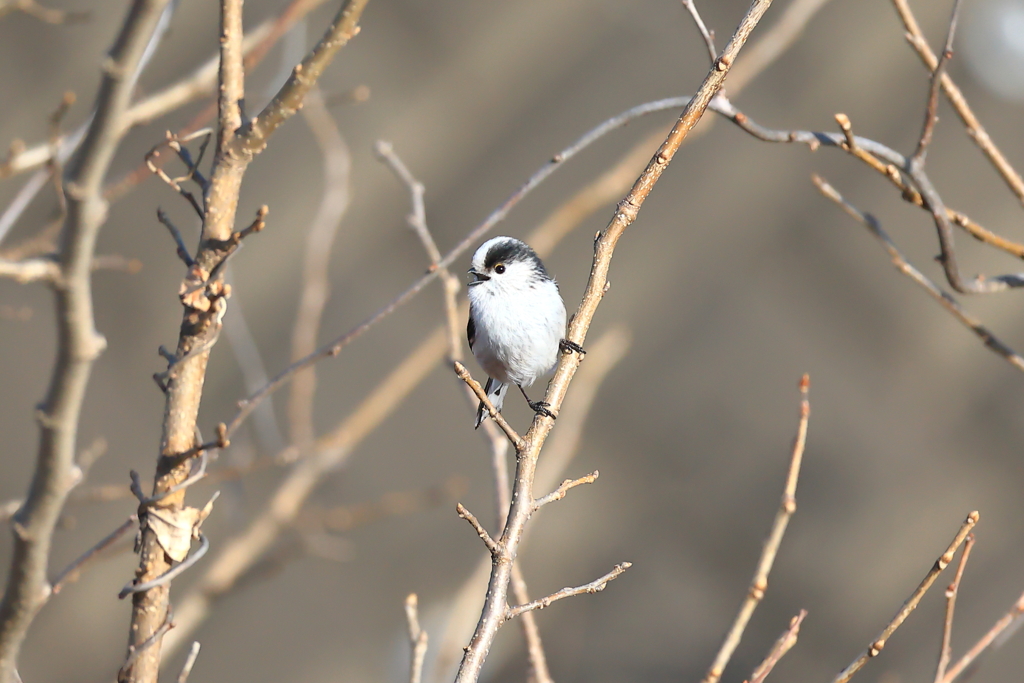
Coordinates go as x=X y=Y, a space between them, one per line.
x=517 y=330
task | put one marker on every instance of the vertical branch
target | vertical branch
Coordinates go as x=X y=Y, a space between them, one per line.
x=78 y=345
x=495 y=605
x=337 y=165
x=945 y=649
x=204 y=298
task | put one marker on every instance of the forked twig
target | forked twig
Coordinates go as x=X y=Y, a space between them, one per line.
x=595 y=586
x=417 y=639
x=947 y=624
x=878 y=644
x=783 y=645
x=771 y=547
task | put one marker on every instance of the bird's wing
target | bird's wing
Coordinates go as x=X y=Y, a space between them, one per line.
x=471 y=329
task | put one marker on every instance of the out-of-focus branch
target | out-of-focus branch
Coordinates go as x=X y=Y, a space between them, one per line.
x=947 y=624
x=521 y=508
x=875 y=648
x=996 y=636
x=45 y=14
x=417 y=639
x=759 y=584
x=783 y=645
x=204 y=297
x=337 y=165
x=975 y=130
x=78 y=345
x=901 y=264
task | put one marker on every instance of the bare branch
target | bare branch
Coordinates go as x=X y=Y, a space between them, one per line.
x=478 y=527
x=708 y=36
x=910 y=605
x=902 y=265
x=947 y=624
x=417 y=639
x=513 y=436
x=931 y=115
x=334 y=203
x=78 y=342
x=31 y=270
x=626 y=212
x=559 y=493
x=759 y=584
x=190 y=662
x=995 y=637
x=975 y=130
x=783 y=645
x=73 y=570
x=593 y=587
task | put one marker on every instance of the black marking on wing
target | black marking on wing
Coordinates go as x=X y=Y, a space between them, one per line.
x=471 y=330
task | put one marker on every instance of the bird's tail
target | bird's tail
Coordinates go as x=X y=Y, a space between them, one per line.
x=495 y=391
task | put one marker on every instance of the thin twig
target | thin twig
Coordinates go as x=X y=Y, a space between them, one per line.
x=929 y=197
x=975 y=130
x=708 y=36
x=945 y=648
x=478 y=527
x=190 y=662
x=72 y=571
x=595 y=586
x=170 y=574
x=931 y=115
x=559 y=493
x=1002 y=629
x=783 y=645
x=759 y=584
x=513 y=436
x=176 y=236
x=902 y=265
x=910 y=605
x=417 y=640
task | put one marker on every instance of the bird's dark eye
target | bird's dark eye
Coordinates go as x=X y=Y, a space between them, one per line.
x=499 y=269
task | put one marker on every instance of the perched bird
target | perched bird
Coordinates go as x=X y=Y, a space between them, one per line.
x=516 y=320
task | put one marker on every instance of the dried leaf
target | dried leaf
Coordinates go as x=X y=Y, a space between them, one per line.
x=175 y=529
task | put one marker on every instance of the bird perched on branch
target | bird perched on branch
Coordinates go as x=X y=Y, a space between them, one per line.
x=516 y=320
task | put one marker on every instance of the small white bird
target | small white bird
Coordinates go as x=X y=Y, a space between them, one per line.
x=516 y=319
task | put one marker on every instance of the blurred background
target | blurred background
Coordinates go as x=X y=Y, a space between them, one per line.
x=736 y=278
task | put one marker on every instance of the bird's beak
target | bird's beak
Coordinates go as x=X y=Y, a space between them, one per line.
x=480 y=277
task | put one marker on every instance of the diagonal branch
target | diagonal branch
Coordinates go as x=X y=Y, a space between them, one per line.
x=759 y=584
x=595 y=586
x=521 y=509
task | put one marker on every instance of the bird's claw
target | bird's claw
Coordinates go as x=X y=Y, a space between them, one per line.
x=541 y=408
x=569 y=346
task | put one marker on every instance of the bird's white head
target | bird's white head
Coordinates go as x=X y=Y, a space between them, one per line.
x=505 y=264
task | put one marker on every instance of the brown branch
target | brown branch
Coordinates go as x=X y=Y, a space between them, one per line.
x=78 y=345
x=492 y=547
x=203 y=296
x=902 y=265
x=45 y=14
x=875 y=648
x=783 y=645
x=563 y=489
x=931 y=114
x=417 y=640
x=759 y=584
x=521 y=509
x=1001 y=630
x=895 y=163
x=334 y=203
x=947 y=624
x=705 y=34
x=595 y=586
x=31 y=270
x=73 y=570
x=975 y=130
x=513 y=436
